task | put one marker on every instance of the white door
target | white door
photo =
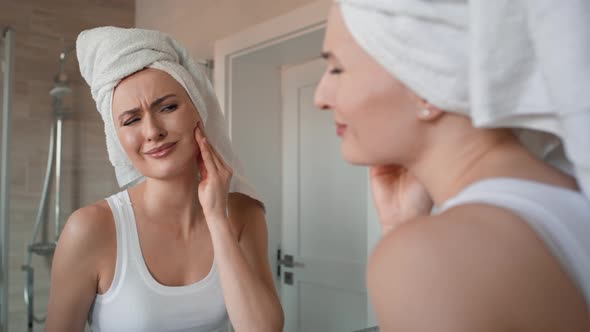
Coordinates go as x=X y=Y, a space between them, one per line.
x=324 y=216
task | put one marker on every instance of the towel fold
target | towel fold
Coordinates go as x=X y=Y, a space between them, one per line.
x=530 y=68
x=522 y=64
x=108 y=54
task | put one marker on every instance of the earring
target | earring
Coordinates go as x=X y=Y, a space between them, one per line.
x=425 y=113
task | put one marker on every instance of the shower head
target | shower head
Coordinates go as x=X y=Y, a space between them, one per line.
x=60 y=90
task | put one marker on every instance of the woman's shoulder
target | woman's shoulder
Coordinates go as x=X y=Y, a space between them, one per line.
x=468 y=234
x=244 y=209
x=477 y=237
x=92 y=217
x=90 y=227
x=472 y=258
x=242 y=202
x=85 y=249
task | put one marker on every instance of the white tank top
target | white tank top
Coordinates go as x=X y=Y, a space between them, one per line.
x=560 y=217
x=136 y=302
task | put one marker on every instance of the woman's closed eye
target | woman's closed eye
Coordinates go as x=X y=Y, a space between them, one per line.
x=131 y=121
x=335 y=71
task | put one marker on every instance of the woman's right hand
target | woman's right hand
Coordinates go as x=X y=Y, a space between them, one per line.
x=399 y=196
x=216 y=177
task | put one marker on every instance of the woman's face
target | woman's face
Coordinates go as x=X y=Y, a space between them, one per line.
x=375 y=114
x=155 y=121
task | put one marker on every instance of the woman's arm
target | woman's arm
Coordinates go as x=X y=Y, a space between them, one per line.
x=242 y=260
x=246 y=278
x=74 y=276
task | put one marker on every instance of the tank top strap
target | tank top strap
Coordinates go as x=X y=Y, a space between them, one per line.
x=559 y=216
x=119 y=204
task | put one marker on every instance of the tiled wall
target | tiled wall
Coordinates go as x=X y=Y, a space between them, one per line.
x=43 y=28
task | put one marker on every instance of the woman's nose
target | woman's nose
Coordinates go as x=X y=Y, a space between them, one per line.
x=321 y=98
x=154 y=128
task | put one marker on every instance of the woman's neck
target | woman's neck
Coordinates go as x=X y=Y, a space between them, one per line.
x=173 y=200
x=457 y=158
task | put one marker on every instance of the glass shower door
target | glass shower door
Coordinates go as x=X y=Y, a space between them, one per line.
x=6 y=70
x=3 y=245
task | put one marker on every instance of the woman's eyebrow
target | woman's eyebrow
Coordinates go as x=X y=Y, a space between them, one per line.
x=129 y=112
x=156 y=102
x=159 y=100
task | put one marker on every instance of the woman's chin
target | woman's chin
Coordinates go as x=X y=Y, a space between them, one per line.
x=354 y=156
x=169 y=170
x=366 y=157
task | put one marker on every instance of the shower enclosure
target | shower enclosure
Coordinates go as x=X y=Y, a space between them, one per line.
x=40 y=245
x=6 y=69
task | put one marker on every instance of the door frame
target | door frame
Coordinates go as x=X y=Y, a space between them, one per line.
x=294 y=24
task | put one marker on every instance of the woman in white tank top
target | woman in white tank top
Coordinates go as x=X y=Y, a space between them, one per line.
x=509 y=248
x=175 y=252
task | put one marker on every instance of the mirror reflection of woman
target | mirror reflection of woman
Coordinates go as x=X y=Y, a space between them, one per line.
x=176 y=251
x=508 y=249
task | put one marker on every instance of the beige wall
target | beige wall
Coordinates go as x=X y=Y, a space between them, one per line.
x=87 y=174
x=197 y=24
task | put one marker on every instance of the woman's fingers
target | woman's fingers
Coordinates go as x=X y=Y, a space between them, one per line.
x=198 y=134
x=200 y=161
x=206 y=153
x=216 y=156
x=201 y=166
x=221 y=164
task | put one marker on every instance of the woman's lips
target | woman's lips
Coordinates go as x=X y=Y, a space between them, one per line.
x=161 y=151
x=340 y=129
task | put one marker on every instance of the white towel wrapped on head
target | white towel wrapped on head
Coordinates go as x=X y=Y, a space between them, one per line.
x=522 y=64
x=422 y=43
x=109 y=54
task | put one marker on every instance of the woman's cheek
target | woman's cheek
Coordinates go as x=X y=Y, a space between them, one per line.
x=129 y=142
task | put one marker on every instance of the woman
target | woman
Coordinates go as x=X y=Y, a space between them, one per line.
x=174 y=252
x=508 y=249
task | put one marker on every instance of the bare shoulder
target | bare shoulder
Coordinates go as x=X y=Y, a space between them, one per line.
x=92 y=222
x=89 y=228
x=472 y=268
x=84 y=246
x=244 y=210
x=244 y=203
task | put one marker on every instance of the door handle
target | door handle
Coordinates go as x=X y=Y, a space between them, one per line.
x=288 y=261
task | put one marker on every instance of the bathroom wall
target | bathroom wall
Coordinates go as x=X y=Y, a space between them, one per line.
x=87 y=175
x=197 y=24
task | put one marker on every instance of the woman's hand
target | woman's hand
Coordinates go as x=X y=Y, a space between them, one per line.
x=215 y=178
x=398 y=195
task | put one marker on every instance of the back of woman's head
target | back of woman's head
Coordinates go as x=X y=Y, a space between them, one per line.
x=406 y=75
